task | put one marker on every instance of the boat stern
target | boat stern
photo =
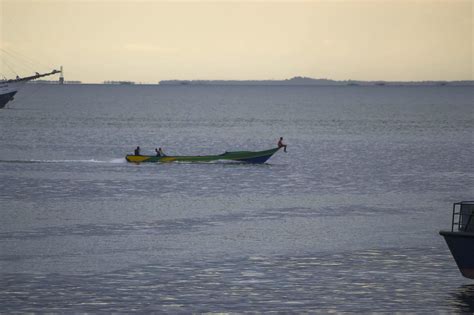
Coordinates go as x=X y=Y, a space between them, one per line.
x=137 y=158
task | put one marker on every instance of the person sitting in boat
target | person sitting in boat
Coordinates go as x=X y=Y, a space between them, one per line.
x=159 y=152
x=281 y=144
x=137 y=151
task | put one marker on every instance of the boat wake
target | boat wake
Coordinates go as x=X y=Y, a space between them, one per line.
x=112 y=161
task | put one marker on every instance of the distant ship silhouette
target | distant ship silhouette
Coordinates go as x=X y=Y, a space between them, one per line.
x=8 y=88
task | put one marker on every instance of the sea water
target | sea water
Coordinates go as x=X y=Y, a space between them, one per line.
x=347 y=220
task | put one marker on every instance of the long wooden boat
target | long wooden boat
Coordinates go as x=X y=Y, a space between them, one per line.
x=256 y=157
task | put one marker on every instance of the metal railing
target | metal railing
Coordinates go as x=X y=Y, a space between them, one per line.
x=463 y=216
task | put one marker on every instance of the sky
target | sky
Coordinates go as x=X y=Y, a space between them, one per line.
x=149 y=41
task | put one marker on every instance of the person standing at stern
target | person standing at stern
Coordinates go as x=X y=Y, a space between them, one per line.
x=281 y=144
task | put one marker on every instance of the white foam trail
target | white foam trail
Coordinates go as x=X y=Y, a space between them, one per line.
x=118 y=161
x=112 y=161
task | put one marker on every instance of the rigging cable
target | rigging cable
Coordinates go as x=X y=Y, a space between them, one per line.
x=9 y=67
x=32 y=62
x=18 y=63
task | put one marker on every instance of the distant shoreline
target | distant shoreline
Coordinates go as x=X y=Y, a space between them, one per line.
x=296 y=81
x=304 y=81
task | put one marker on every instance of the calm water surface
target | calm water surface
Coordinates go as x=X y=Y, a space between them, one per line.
x=347 y=220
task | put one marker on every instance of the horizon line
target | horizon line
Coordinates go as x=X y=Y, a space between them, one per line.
x=292 y=79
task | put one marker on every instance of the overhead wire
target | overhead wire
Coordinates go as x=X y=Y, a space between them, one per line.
x=9 y=66
x=27 y=66
x=31 y=61
x=23 y=36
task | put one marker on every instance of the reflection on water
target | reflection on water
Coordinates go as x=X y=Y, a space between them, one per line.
x=363 y=281
x=463 y=299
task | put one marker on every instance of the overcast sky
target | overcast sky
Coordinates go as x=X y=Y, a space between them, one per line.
x=148 y=41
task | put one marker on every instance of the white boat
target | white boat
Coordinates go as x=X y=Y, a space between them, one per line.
x=8 y=88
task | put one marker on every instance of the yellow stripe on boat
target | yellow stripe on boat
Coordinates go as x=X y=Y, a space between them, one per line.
x=137 y=158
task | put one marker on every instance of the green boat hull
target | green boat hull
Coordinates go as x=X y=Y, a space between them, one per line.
x=257 y=157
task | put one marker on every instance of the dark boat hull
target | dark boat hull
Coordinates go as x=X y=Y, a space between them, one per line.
x=5 y=98
x=461 y=245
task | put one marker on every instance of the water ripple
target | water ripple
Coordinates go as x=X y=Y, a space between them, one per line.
x=363 y=281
